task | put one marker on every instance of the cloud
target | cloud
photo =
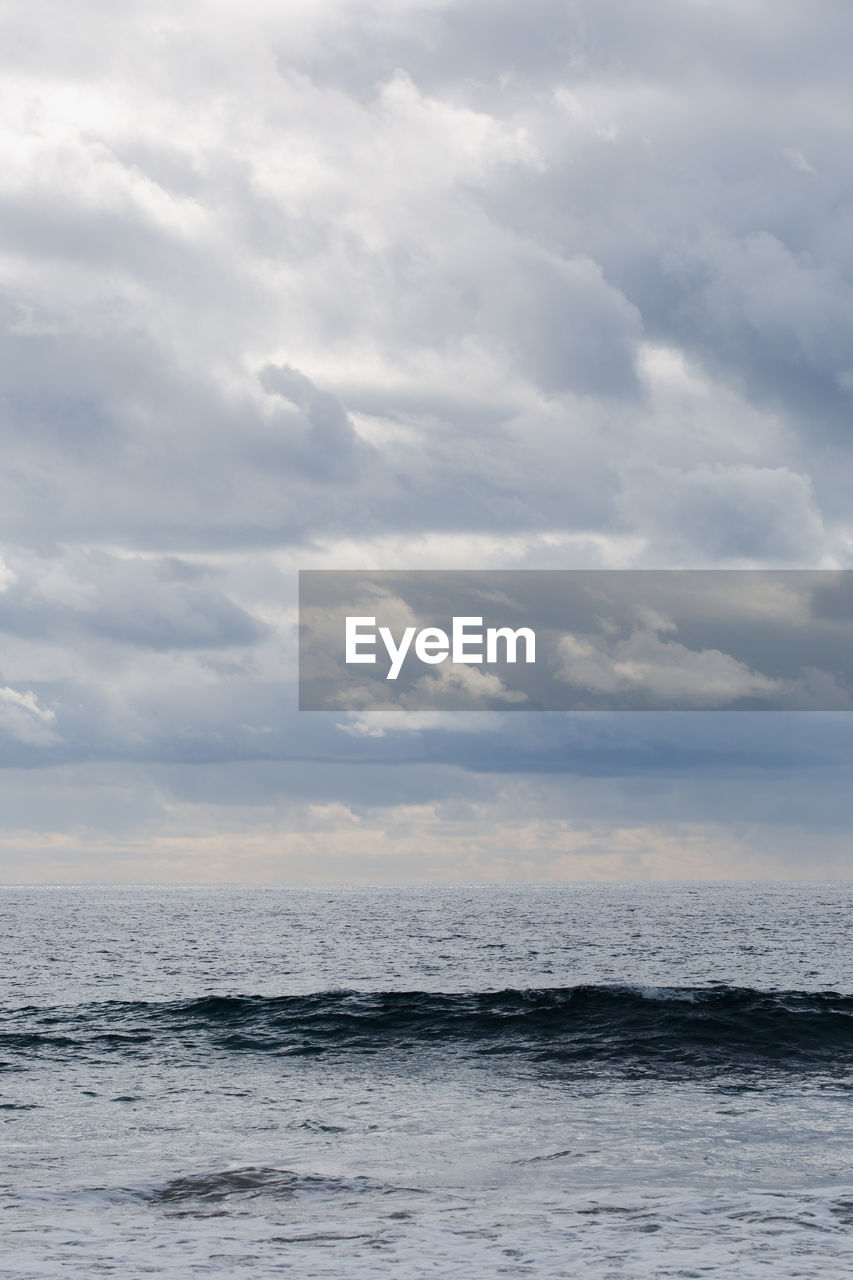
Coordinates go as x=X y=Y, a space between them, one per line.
x=94 y=596
x=663 y=671
x=23 y=719
x=740 y=513
x=375 y=708
x=444 y=282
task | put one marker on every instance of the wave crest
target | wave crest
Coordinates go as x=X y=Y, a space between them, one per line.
x=643 y=1029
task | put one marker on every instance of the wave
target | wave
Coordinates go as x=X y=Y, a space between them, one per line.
x=191 y=1192
x=249 y=1182
x=639 y=1028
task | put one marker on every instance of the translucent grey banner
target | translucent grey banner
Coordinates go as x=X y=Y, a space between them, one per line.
x=576 y=640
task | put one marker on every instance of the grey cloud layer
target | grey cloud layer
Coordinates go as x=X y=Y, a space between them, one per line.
x=474 y=245
x=455 y=281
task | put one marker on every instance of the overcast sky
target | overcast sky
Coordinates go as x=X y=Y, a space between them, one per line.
x=407 y=284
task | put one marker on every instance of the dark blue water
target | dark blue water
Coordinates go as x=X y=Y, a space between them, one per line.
x=514 y=1080
x=658 y=1033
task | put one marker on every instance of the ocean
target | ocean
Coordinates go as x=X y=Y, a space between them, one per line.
x=565 y=1080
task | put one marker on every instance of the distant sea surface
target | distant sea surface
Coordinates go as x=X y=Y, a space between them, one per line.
x=588 y=1081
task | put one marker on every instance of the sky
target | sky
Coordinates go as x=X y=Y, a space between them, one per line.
x=445 y=284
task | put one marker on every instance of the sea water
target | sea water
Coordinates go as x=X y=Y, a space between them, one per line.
x=541 y=1080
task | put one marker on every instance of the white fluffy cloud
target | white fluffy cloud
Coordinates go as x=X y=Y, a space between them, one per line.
x=664 y=671
x=24 y=720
